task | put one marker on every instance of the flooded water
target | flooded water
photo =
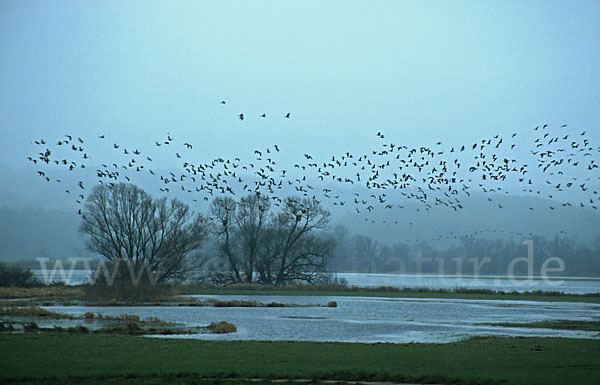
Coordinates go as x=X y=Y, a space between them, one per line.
x=360 y=319
x=575 y=285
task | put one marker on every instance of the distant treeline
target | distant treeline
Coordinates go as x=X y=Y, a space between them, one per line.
x=466 y=255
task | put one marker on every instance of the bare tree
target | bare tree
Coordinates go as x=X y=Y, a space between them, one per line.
x=223 y=211
x=294 y=251
x=239 y=228
x=251 y=219
x=125 y=224
x=255 y=244
x=365 y=252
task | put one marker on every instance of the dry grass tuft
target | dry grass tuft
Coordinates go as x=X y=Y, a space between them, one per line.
x=44 y=292
x=221 y=327
x=276 y=304
x=123 y=317
x=231 y=303
x=31 y=311
x=89 y=315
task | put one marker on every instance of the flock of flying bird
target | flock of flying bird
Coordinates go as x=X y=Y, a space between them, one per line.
x=384 y=178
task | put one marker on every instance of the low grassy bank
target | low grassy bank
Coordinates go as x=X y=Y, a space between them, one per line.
x=77 y=294
x=592 y=326
x=386 y=291
x=26 y=318
x=54 y=292
x=90 y=359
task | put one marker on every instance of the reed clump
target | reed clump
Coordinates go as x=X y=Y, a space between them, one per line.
x=231 y=303
x=276 y=304
x=55 y=291
x=221 y=327
x=32 y=311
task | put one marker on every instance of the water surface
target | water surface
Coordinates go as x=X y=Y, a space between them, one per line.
x=361 y=319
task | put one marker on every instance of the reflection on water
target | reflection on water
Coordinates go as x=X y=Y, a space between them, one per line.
x=360 y=319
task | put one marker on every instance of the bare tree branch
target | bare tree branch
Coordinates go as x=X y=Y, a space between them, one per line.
x=124 y=224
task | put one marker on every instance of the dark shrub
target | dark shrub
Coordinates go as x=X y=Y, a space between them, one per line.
x=18 y=276
x=31 y=327
x=124 y=290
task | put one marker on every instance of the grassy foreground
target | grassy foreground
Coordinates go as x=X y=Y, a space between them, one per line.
x=91 y=359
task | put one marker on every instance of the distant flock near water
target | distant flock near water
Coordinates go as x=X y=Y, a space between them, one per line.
x=558 y=158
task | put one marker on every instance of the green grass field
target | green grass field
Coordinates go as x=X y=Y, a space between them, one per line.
x=91 y=359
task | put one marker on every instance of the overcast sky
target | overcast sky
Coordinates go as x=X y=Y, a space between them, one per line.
x=419 y=71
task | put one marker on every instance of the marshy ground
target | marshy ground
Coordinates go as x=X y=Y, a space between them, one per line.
x=113 y=350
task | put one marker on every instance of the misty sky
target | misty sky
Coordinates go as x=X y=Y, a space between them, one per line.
x=419 y=71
